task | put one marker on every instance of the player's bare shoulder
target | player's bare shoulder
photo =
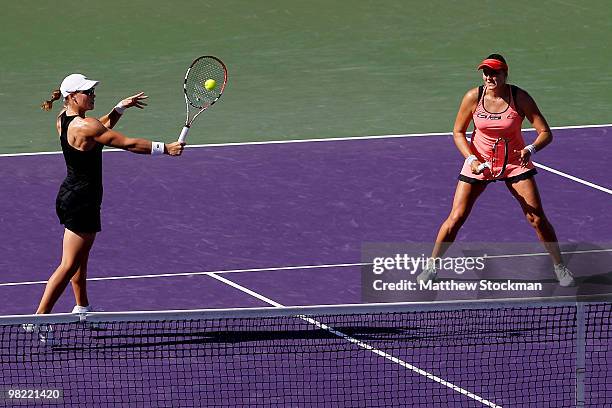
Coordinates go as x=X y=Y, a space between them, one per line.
x=525 y=104
x=469 y=101
x=522 y=96
x=87 y=127
x=471 y=96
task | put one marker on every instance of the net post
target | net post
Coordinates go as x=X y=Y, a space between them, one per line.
x=580 y=353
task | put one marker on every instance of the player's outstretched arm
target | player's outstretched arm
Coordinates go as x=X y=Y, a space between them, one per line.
x=93 y=128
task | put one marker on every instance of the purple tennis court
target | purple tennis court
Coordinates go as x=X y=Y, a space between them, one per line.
x=284 y=224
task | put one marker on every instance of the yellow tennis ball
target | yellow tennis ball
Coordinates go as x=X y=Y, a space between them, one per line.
x=210 y=84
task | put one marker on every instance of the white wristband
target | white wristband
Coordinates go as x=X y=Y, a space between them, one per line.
x=531 y=148
x=119 y=109
x=157 y=148
x=471 y=159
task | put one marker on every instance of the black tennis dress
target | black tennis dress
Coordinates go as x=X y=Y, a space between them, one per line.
x=80 y=195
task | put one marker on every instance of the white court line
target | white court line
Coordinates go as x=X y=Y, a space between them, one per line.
x=374 y=137
x=573 y=178
x=331 y=139
x=568 y=176
x=361 y=344
x=550 y=169
x=586 y=251
x=172 y=275
x=280 y=268
x=245 y=290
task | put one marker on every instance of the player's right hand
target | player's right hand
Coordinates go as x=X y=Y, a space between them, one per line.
x=474 y=167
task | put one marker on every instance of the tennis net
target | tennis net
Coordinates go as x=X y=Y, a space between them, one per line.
x=540 y=353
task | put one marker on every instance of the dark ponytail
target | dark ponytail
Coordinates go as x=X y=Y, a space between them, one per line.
x=47 y=105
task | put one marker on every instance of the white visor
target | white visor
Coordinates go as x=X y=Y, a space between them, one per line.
x=76 y=82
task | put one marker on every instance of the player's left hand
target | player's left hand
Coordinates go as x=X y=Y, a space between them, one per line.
x=134 y=100
x=525 y=155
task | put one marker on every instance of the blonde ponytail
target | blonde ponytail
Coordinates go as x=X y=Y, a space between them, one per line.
x=47 y=105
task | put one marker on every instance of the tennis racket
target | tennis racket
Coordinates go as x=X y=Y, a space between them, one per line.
x=199 y=94
x=498 y=160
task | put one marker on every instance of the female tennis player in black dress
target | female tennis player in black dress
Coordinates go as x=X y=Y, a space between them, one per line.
x=80 y=195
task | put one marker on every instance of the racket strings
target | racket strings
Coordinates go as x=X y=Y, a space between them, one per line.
x=499 y=158
x=203 y=70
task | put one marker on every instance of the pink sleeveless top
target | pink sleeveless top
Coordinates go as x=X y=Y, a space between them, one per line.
x=488 y=127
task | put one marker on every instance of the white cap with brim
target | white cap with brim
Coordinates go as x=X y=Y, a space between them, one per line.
x=76 y=82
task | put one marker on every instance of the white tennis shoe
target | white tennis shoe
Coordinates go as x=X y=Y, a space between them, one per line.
x=82 y=310
x=429 y=273
x=564 y=275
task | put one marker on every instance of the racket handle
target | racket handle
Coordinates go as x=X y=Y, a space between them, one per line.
x=183 y=134
x=483 y=166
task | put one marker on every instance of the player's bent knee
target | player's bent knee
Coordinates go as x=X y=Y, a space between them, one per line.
x=69 y=269
x=536 y=221
x=457 y=218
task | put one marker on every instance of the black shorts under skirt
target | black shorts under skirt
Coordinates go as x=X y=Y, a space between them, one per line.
x=523 y=176
x=85 y=220
x=77 y=212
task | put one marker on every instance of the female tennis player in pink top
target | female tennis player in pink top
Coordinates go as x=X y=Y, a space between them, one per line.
x=498 y=110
